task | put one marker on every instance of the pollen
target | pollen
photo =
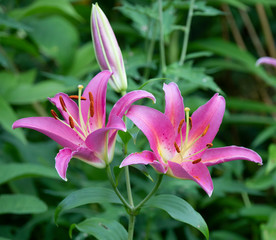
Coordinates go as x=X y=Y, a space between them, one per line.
x=176 y=147
x=54 y=114
x=190 y=123
x=180 y=125
x=62 y=103
x=196 y=161
x=209 y=145
x=205 y=130
x=71 y=122
x=76 y=97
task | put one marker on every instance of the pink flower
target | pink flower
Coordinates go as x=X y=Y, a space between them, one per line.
x=266 y=60
x=83 y=133
x=182 y=145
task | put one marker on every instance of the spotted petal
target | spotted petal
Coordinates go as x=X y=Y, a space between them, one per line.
x=174 y=104
x=157 y=128
x=196 y=172
x=59 y=132
x=225 y=154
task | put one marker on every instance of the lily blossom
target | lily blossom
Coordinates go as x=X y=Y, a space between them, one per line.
x=266 y=60
x=182 y=145
x=107 y=50
x=82 y=132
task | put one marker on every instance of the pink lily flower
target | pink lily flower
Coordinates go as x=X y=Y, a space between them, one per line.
x=182 y=145
x=83 y=133
x=266 y=60
x=107 y=50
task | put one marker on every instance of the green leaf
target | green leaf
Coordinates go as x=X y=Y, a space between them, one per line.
x=8 y=117
x=201 y=9
x=269 y=230
x=102 y=229
x=264 y=135
x=56 y=37
x=259 y=212
x=180 y=210
x=13 y=171
x=26 y=94
x=21 y=204
x=47 y=6
x=12 y=23
x=86 y=196
x=271 y=164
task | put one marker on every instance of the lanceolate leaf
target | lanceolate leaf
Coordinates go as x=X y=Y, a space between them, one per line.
x=12 y=171
x=102 y=229
x=180 y=210
x=86 y=196
x=21 y=204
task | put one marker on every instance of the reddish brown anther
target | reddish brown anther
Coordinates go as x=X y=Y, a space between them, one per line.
x=62 y=103
x=91 y=104
x=205 y=131
x=54 y=114
x=91 y=97
x=209 y=145
x=180 y=125
x=176 y=147
x=71 y=122
x=196 y=161
x=190 y=123
x=76 y=97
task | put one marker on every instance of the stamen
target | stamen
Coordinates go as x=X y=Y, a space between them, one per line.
x=196 y=161
x=76 y=97
x=62 y=103
x=209 y=145
x=187 y=110
x=54 y=114
x=176 y=147
x=91 y=104
x=190 y=123
x=180 y=125
x=205 y=130
x=71 y=122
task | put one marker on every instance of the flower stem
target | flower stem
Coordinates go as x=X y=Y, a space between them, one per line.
x=187 y=33
x=128 y=186
x=162 y=48
x=153 y=191
x=131 y=224
x=113 y=184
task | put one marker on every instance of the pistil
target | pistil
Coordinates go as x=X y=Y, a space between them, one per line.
x=80 y=87
x=187 y=113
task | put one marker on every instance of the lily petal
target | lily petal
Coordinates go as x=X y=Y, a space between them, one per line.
x=196 y=172
x=53 y=128
x=97 y=86
x=266 y=60
x=62 y=160
x=210 y=114
x=157 y=128
x=174 y=104
x=71 y=106
x=146 y=157
x=225 y=154
x=123 y=104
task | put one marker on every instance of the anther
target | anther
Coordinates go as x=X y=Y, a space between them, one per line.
x=205 y=131
x=180 y=125
x=76 y=97
x=209 y=145
x=91 y=104
x=71 y=122
x=62 y=103
x=176 y=147
x=190 y=123
x=196 y=161
x=54 y=114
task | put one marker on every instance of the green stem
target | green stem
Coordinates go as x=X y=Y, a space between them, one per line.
x=187 y=33
x=128 y=186
x=131 y=224
x=153 y=191
x=113 y=184
x=162 y=48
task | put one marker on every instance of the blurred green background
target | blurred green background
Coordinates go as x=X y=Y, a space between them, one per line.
x=46 y=48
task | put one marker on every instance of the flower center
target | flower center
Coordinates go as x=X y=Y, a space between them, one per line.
x=78 y=125
x=186 y=145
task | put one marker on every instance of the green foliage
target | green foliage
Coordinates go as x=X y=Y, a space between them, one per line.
x=45 y=48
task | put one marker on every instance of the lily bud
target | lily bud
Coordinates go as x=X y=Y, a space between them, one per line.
x=107 y=50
